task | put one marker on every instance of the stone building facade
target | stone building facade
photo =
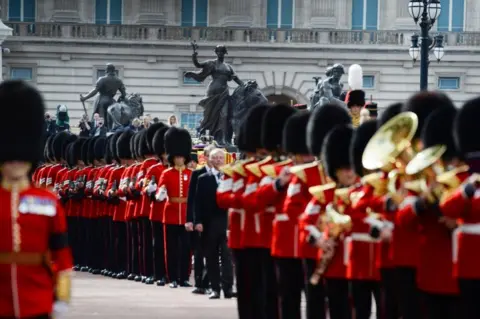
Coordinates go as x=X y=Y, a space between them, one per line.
x=62 y=46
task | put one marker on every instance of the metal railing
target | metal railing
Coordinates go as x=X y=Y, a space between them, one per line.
x=74 y=31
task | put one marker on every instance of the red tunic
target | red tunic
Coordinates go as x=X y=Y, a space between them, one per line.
x=28 y=290
x=132 y=199
x=142 y=181
x=176 y=183
x=156 y=208
x=118 y=209
x=52 y=175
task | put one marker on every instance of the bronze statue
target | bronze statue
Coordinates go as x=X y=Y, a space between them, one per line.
x=107 y=87
x=330 y=89
x=121 y=114
x=220 y=109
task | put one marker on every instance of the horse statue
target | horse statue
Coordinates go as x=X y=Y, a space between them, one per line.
x=243 y=98
x=122 y=113
x=330 y=89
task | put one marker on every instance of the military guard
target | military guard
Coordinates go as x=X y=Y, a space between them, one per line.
x=355 y=98
x=36 y=235
x=173 y=188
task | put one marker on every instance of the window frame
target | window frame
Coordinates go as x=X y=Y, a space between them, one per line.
x=280 y=14
x=374 y=81
x=194 y=15
x=450 y=17
x=22 y=11
x=108 y=22
x=181 y=78
x=180 y=115
x=97 y=68
x=33 y=67
x=365 y=26
x=449 y=76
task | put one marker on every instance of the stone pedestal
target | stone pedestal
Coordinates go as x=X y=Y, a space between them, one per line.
x=152 y=13
x=238 y=13
x=66 y=11
x=4 y=33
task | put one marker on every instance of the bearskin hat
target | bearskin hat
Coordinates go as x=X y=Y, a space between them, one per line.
x=465 y=128
x=60 y=142
x=91 y=149
x=273 y=122
x=99 y=148
x=390 y=112
x=76 y=150
x=336 y=149
x=47 y=153
x=372 y=108
x=108 y=156
x=424 y=103
x=151 y=130
x=295 y=133
x=23 y=102
x=253 y=128
x=323 y=119
x=112 y=145
x=68 y=156
x=356 y=97
x=239 y=140
x=361 y=136
x=84 y=151
x=123 y=145
x=141 y=144
x=159 y=141
x=178 y=142
x=438 y=129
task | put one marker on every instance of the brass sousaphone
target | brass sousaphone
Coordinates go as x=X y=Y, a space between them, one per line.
x=390 y=149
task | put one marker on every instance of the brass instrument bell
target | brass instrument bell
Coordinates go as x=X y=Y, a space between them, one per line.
x=425 y=159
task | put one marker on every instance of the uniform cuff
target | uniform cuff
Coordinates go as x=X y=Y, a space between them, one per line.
x=278 y=186
x=419 y=206
x=390 y=205
x=375 y=232
x=468 y=190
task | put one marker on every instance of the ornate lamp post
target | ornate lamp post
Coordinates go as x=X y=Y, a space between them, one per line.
x=427 y=12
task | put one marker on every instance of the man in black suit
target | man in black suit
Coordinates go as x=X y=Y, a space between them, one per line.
x=212 y=222
x=200 y=273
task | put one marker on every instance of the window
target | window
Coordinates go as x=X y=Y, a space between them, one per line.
x=368 y=81
x=22 y=10
x=448 y=83
x=280 y=14
x=190 y=121
x=190 y=81
x=449 y=19
x=108 y=11
x=365 y=15
x=194 y=13
x=101 y=72
x=21 y=73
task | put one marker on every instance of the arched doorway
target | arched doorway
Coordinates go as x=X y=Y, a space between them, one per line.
x=281 y=99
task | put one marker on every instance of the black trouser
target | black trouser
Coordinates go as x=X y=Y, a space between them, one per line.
x=441 y=306
x=140 y=246
x=134 y=248
x=271 y=287
x=290 y=281
x=362 y=291
x=255 y=285
x=147 y=247
x=158 y=250
x=72 y=228
x=469 y=303
x=241 y=273
x=105 y=239
x=338 y=298
x=96 y=240
x=407 y=292
x=111 y=245
x=200 y=271
x=315 y=294
x=83 y=241
x=389 y=293
x=214 y=240
x=121 y=247
x=178 y=252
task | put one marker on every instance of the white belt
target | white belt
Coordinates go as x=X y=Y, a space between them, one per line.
x=123 y=199
x=363 y=237
x=281 y=217
x=379 y=223
x=242 y=216
x=271 y=209
x=470 y=229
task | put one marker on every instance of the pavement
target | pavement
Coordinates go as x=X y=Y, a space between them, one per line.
x=101 y=297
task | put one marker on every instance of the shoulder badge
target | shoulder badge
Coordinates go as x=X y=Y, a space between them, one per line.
x=319 y=192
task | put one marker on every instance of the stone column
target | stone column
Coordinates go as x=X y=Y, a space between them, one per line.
x=344 y=14
x=323 y=14
x=4 y=33
x=66 y=11
x=152 y=12
x=238 y=13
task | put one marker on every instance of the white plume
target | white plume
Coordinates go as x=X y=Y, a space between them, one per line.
x=355 y=77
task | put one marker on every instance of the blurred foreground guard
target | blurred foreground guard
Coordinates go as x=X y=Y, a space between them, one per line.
x=33 y=237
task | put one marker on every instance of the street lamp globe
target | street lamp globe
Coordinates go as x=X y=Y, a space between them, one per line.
x=414 y=52
x=415 y=9
x=439 y=50
x=434 y=9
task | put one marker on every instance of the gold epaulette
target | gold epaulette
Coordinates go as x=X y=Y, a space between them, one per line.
x=319 y=191
x=227 y=170
x=450 y=178
x=418 y=186
x=269 y=170
x=239 y=167
x=377 y=181
x=254 y=168
x=299 y=170
x=343 y=194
